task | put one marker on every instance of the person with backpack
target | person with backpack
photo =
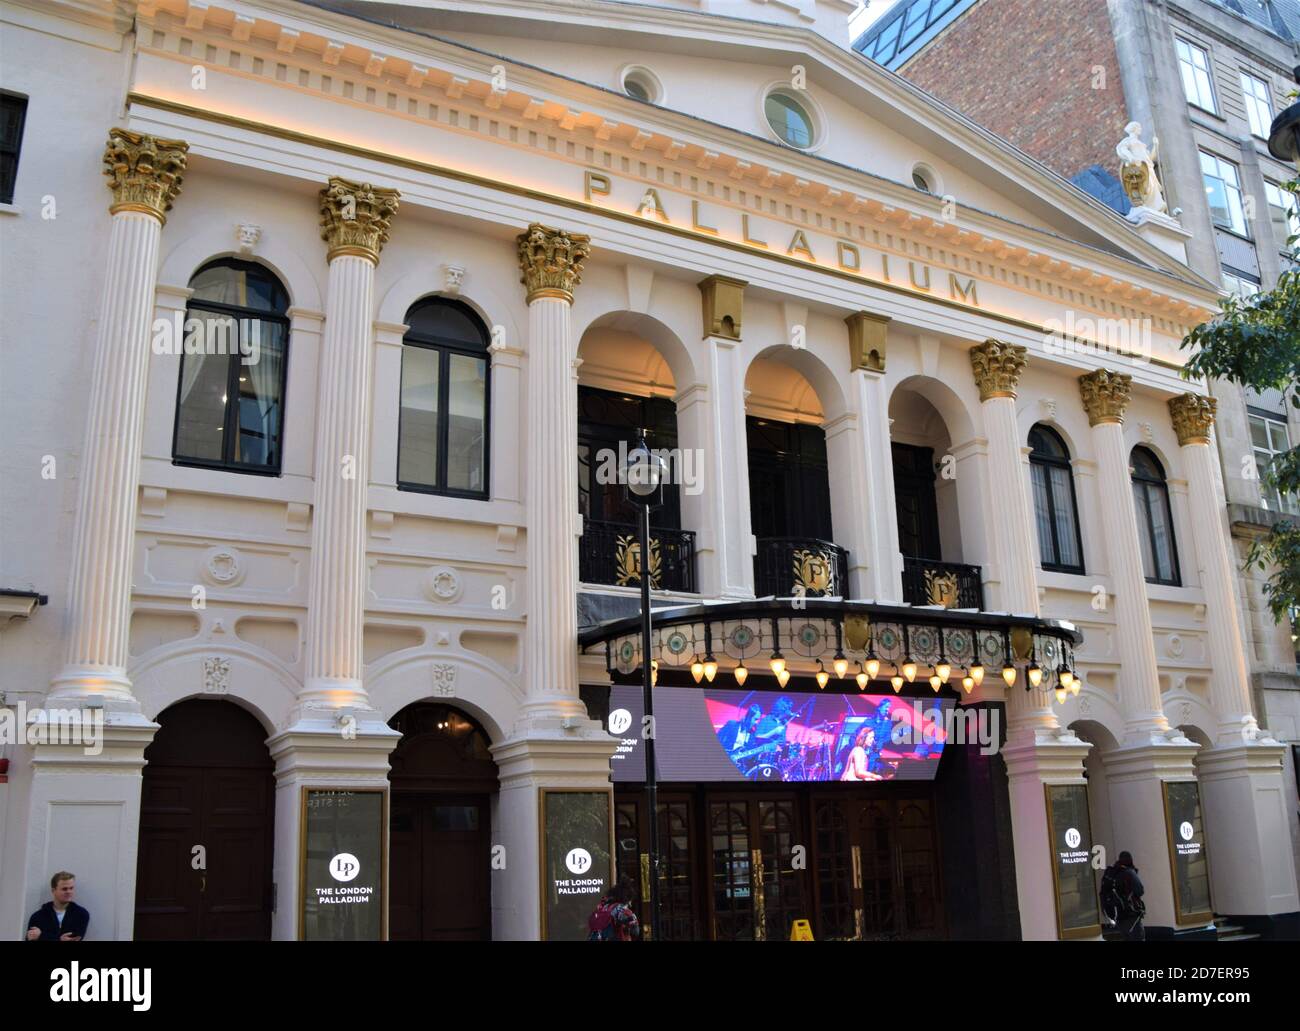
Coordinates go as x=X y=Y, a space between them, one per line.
x=613 y=918
x=1121 y=898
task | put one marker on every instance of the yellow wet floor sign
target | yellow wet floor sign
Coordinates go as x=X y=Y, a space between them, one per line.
x=801 y=931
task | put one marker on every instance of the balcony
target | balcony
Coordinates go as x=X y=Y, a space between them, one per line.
x=791 y=567
x=949 y=584
x=610 y=553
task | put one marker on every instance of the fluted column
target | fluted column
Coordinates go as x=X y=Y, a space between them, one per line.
x=1105 y=397
x=355 y=220
x=1192 y=416
x=997 y=367
x=145 y=175
x=551 y=262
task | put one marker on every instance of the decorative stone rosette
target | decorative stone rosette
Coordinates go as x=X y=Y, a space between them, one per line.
x=551 y=261
x=144 y=172
x=1105 y=395
x=1192 y=415
x=355 y=218
x=997 y=366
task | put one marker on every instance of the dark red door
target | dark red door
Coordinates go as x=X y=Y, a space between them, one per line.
x=440 y=867
x=207 y=817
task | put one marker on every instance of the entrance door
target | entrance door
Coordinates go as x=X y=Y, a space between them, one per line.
x=877 y=868
x=439 y=869
x=678 y=855
x=440 y=864
x=757 y=892
x=208 y=783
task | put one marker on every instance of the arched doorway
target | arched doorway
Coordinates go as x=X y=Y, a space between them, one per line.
x=443 y=779
x=207 y=819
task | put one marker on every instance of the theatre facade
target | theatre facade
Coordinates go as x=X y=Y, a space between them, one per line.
x=329 y=329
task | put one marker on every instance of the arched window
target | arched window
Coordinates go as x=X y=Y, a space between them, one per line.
x=1055 y=508
x=230 y=400
x=442 y=435
x=1154 y=517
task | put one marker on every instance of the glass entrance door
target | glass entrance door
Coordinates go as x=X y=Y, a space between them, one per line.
x=877 y=869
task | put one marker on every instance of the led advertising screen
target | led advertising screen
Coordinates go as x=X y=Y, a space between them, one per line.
x=715 y=735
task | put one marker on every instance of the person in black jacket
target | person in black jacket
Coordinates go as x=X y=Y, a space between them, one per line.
x=60 y=919
x=1130 y=889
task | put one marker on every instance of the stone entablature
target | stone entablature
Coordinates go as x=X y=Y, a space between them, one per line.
x=971 y=254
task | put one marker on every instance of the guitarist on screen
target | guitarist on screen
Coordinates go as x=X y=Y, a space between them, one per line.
x=737 y=735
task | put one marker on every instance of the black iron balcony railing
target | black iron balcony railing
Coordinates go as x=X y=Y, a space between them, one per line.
x=950 y=584
x=790 y=567
x=610 y=553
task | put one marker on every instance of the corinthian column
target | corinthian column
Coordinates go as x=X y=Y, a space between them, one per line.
x=354 y=223
x=551 y=262
x=145 y=175
x=1037 y=750
x=1241 y=776
x=1105 y=397
x=1192 y=416
x=997 y=368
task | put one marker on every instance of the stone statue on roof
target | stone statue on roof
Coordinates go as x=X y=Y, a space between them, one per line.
x=1137 y=170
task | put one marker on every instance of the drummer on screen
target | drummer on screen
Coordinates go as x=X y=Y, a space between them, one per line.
x=858 y=766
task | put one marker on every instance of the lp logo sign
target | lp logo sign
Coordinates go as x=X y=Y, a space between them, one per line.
x=1073 y=837
x=344 y=866
x=578 y=860
x=1186 y=830
x=619 y=721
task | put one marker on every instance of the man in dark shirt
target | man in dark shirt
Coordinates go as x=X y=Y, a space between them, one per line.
x=60 y=919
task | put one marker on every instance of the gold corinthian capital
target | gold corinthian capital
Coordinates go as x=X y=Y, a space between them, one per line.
x=997 y=366
x=1192 y=415
x=144 y=172
x=1105 y=395
x=355 y=218
x=551 y=261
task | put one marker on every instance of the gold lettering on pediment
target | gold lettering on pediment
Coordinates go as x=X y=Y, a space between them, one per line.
x=911 y=274
x=845 y=251
x=966 y=293
x=744 y=231
x=695 y=220
x=650 y=202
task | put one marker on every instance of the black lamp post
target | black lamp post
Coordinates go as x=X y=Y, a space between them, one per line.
x=1284 y=135
x=644 y=476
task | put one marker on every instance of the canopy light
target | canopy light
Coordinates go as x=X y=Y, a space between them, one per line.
x=741 y=674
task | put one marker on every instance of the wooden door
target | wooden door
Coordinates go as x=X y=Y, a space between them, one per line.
x=679 y=898
x=207 y=817
x=440 y=868
x=877 y=869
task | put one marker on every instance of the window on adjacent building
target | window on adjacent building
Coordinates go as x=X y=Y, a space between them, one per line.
x=1239 y=284
x=1269 y=438
x=1194 y=64
x=1055 y=508
x=1154 y=517
x=13 y=114
x=1284 y=209
x=1223 y=191
x=230 y=401
x=442 y=433
x=1259 y=107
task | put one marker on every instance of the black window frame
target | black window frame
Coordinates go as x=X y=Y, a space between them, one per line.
x=446 y=348
x=230 y=434
x=1049 y=461
x=8 y=167
x=1146 y=524
x=657 y=416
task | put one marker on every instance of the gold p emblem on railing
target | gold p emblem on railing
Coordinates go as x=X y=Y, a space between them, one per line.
x=627 y=561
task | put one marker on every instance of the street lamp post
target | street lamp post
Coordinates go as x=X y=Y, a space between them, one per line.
x=644 y=478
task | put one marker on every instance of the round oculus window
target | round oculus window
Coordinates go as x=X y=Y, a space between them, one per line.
x=789 y=119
